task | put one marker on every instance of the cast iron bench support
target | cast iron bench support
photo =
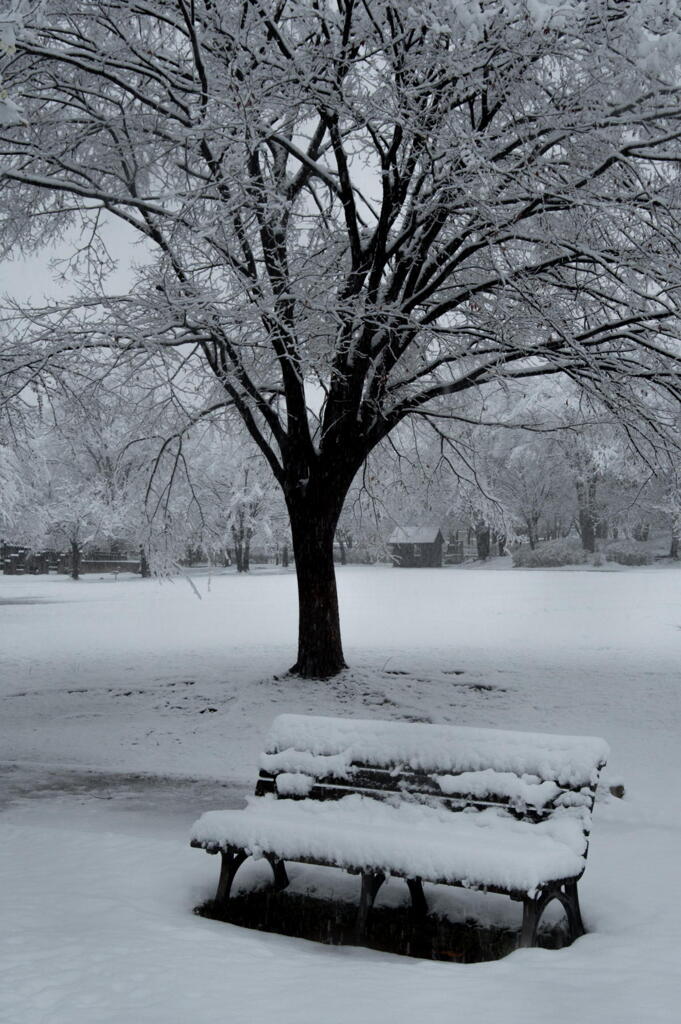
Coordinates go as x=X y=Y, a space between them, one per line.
x=534 y=907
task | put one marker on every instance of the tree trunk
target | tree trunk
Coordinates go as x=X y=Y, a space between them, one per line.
x=530 y=532
x=532 y=523
x=641 y=531
x=237 y=537
x=320 y=651
x=75 y=560
x=482 y=541
x=587 y=530
x=586 y=501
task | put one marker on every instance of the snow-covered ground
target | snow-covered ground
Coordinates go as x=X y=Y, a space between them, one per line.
x=128 y=707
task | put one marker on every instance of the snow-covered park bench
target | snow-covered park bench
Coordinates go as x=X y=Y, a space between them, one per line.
x=504 y=812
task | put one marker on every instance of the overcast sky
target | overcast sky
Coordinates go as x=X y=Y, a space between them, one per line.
x=35 y=279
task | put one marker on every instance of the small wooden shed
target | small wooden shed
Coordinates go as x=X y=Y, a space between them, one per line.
x=416 y=547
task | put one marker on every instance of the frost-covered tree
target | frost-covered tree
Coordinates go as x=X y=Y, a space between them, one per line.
x=81 y=465
x=530 y=481
x=10 y=21
x=75 y=514
x=223 y=497
x=21 y=519
x=669 y=503
x=522 y=456
x=649 y=497
x=349 y=212
x=81 y=484
x=245 y=510
x=11 y=486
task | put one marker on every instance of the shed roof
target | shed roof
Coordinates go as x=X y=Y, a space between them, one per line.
x=415 y=535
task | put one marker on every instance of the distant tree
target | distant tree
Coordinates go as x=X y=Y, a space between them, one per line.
x=245 y=509
x=526 y=471
x=675 y=517
x=671 y=507
x=659 y=499
x=11 y=486
x=383 y=204
x=76 y=497
x=75 y=519
x=225 y=496
x=81 y=467
x=344 y=539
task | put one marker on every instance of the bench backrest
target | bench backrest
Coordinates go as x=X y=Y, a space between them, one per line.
x=532 y=775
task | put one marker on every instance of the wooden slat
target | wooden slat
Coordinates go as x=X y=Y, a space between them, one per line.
x=396 y=777
x=381 y=783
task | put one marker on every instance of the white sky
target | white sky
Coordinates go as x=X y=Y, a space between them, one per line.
x=35 y=279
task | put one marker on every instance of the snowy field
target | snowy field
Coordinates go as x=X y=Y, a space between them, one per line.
x=128 y=707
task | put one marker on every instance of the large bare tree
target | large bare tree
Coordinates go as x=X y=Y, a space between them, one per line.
x=351 y=210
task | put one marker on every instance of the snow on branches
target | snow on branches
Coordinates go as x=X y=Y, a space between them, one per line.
x=351 y=212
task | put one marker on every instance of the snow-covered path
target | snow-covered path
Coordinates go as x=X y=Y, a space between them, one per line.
x=103 y=678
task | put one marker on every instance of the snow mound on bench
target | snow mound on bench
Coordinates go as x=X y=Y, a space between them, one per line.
x=320 y=746
x=486 y=848
x=525 y=791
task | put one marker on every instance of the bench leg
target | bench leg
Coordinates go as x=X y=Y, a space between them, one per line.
x=418 y=900
x=531 y=913
x=279 y=871
x=574 y=915
x=371 y=883
x=534 y=907
x=231 y=862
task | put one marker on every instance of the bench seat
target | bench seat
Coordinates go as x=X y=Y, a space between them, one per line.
x=487 y=849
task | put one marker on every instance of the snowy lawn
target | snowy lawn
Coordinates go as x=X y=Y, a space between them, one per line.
x=104 y=677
